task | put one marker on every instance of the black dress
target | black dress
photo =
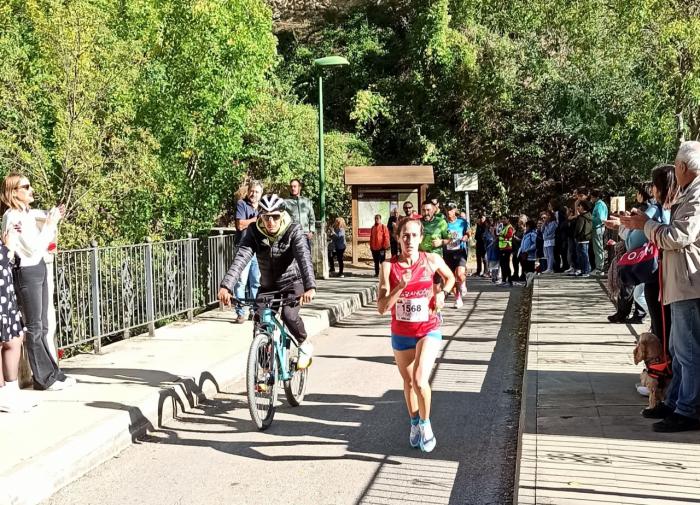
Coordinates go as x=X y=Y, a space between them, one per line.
x=10 y=316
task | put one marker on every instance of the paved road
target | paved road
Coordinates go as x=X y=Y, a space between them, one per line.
x=348 y=442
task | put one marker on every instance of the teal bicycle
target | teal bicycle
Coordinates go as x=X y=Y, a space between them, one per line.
x=271 y=361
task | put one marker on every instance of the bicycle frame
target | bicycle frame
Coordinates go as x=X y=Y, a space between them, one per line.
x=269 y=322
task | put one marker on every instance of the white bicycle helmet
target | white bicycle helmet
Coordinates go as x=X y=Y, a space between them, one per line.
x=271 y=203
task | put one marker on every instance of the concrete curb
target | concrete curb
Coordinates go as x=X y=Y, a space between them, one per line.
x=35 y=480
x=528 y=401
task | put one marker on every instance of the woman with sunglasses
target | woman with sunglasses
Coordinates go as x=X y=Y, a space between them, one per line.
x=285 y=265
x=19 y=223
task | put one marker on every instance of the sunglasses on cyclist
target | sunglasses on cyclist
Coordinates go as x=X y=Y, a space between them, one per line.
x=271 y=217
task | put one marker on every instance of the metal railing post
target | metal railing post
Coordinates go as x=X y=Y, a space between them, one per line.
x=189 y=258
x=150 y=312
x=96 y=296
x=220 y=243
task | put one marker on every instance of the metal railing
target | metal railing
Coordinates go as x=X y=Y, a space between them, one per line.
x=105 y=291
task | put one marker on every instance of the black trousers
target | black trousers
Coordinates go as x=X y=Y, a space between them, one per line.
x=506 y=275
x=528 y=266
x=625 y=301
x=338 y=254
x=651 y=294
x=32 y=288
x=378 y=257
x=480 y=259
x=290 y=313
x=393 y=243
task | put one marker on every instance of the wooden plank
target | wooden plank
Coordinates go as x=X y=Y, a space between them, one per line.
x=389 y=175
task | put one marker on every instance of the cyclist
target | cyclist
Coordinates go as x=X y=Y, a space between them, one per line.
x=455 y=253
x=285 y=265
x=406 y=288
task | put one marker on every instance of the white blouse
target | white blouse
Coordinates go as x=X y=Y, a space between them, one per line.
x=32 y=242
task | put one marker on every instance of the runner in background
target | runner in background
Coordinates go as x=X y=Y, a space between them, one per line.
x=455 y=252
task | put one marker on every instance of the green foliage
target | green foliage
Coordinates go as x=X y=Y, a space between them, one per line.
x=536 y=97
x=143 y=117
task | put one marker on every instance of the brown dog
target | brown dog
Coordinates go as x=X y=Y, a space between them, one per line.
x=649 y=350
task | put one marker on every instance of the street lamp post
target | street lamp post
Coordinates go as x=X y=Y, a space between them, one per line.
x=328 y=61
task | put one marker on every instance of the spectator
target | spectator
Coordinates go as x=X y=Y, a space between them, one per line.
x=630 y=296
x=549 y=233
x=31 y=283
x=680 y=242
x=11 y=337
x=571 y=253
x=378 y=242
x=409 y=212
x=391 y=225
x=518 y=223
x=583 y=232
x=561 y=262
x=246 y=215
x=505 y=249
x=302 y=210
x=600 y=214
x=491 y=244
x=480 y=247
x=338 y=241
x=527 y=254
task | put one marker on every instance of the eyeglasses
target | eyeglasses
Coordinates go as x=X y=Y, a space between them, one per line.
x=407 y=207
x=24 y=186
x=271 y=217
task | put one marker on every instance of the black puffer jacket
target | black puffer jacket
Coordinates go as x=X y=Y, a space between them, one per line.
x=283 y=263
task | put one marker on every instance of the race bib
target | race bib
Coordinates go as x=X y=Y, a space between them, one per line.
x=412 y=310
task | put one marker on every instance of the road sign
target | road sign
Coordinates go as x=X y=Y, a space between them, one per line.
x=466 y=182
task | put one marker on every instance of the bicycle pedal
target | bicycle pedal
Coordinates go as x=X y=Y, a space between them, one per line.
x=262 y=388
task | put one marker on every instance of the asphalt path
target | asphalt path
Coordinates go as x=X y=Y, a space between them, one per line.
x=348 y=442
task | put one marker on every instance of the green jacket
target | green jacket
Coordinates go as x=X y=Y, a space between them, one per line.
x=302 y=211
x=583 y=230
x=437 y=228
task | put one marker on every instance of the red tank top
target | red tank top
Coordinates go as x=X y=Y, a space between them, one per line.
x=411 y=317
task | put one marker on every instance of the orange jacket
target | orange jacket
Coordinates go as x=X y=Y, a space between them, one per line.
x=379 y=237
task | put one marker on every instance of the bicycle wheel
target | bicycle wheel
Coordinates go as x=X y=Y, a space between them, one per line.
x=261 y=380
x=295 y=388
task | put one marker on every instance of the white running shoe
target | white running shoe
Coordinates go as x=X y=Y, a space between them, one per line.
x=69 y=381
x=414 y=436
x=463 y=289
x=427 y=437
x=306 y=350
x=569 y=270
x=458 y=303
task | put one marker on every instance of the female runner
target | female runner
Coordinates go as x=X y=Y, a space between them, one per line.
x=406 y=288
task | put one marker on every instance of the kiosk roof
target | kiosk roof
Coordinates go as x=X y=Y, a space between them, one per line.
x=406 y=175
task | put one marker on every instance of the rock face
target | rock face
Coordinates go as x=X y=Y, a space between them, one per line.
x=302 y=11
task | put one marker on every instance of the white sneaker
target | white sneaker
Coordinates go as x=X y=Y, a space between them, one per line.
x=306 y=350
x=14 y=402
x=642 y=390
x=414 y=436
x=574 y=273
x=458 y=303
x=463 y=289
x=69 y=381
x=58 y=386
x=569 y=271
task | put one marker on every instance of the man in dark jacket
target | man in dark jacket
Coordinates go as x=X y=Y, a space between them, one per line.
x=285 y=264
x=583 y=233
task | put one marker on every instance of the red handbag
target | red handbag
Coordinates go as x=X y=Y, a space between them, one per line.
x=639 y=265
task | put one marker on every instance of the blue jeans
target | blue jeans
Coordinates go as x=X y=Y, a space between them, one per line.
x=582 y=261
x=250 y=278
x=684 y=392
